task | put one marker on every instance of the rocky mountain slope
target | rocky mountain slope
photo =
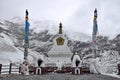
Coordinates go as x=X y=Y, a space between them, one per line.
x=41 y=38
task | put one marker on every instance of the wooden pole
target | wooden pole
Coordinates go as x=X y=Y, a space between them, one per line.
x=0 y=68
x=10 y=68
x=20 y=69
x=26 y=63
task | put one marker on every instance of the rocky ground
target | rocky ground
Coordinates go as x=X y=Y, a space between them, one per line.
x=59 y=77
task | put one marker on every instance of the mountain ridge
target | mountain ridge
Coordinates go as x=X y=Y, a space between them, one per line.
x=13 y=35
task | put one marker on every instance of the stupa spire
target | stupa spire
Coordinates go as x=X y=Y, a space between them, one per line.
x=60 y=28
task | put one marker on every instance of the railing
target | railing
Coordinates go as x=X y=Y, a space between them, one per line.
x=8 y=69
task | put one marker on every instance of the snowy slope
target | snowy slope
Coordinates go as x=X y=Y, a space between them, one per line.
x=11 y=42
x=8 y=52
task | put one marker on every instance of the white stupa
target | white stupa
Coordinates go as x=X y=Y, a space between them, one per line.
x=60 y=52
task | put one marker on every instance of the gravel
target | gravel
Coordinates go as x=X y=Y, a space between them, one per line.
x=56 y=76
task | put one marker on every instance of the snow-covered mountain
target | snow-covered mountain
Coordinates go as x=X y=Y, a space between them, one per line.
x=52 y=26
x=8 y=52
x=41 y=38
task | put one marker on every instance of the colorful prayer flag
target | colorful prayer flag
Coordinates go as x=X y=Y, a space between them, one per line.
x=26 y=46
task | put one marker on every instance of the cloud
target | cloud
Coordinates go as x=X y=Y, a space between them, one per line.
x=108 y=17
x=76 y=15
x=39 y=9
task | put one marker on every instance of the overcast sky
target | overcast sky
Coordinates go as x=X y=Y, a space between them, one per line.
x=76 y=15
